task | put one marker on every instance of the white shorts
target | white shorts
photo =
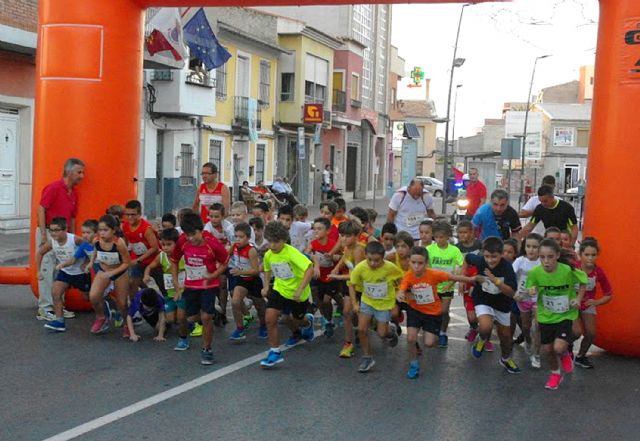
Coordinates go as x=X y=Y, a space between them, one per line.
x=503 y=318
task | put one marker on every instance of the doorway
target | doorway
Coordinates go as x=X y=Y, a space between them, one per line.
x=8 y=165
x=352 y=165
x=571 y=176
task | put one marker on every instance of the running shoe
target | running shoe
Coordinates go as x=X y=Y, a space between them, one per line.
x=414 y=370
x=478 y=347
x=307 y=333
x=68 y=314
x=583 y=361
x=366 y=364
x=567 y=362
x=392 y=337
x=273 y=358
x=489 y=346
x=197 y=330
x=117 y=319
x=182 y=344
x=56 y=325
x=125 y=332
x=553 y=382
x=293 y=340
x=346 y=351
x=329 y=329
x=100 y=326
x=206 y=357
x=238 y=335
x=262 y=333
x=471 y=335
x=443 y=341
x=535 y=361
x=43 y=314
x=518 y=340
x=247 y=320
x=107 y=310
x=398 y=328
x=510 y=365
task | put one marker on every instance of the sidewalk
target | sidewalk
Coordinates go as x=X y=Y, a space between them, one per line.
x=14 y=249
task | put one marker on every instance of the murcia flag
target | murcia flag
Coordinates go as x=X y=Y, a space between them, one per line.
x=165 y=34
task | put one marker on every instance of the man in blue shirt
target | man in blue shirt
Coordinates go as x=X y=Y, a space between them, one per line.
x=497 y=218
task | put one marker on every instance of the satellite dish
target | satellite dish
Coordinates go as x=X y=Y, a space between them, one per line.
x=431 y=107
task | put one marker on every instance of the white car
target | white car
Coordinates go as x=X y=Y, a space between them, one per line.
x=434 y=185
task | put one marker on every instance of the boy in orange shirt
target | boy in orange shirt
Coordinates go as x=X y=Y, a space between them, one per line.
x=419 y=289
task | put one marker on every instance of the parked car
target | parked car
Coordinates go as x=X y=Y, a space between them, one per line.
x=434 y=185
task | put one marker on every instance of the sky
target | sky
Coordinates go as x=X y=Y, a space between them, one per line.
x=500 y=42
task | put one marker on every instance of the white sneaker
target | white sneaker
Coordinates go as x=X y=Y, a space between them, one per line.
x=68 y=314
x=527 y=348
x=45 y=315
x=535 y=361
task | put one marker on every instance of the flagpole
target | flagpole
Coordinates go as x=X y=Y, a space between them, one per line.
x=182 y=14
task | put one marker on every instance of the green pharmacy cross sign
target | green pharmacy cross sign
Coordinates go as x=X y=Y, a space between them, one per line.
x=417 y=75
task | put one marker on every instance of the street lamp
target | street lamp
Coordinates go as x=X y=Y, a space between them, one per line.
x=524 y=133
x=453 y=129
x=456 y=62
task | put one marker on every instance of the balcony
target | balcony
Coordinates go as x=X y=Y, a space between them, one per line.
x=339 y=101
x=183 y=92
x=241 y=114
x=356 y=103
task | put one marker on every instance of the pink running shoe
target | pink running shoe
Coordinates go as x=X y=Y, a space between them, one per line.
x=567 y=362
x=488 y=347
x=125 y=332
x=471 y=335
x=96 y=328
x=553 y=382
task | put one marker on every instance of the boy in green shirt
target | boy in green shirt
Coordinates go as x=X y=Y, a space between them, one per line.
x=292 y=272
x=376 y=279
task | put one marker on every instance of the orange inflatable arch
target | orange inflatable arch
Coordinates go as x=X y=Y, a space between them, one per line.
x=89 y=77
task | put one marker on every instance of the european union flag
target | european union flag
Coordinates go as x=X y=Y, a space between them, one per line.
x=203 y=43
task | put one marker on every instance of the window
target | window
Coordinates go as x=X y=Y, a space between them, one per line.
x=316 y=79
x=215 y=152
x=355 y=87
x=583 y=138
x=186 y=164
x=221 y=82
x=287 y=88
x=265 y=82
x=314 y=93
x=338 y=80
x=260 y=162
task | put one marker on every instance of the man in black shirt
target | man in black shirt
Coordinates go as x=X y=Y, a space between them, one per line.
x=553 y=212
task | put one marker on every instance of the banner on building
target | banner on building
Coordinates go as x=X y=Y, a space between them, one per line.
x=312 y=113
x=252 y=110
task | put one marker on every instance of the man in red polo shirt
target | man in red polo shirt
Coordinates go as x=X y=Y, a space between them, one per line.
x=476 y=192
x=59 y=199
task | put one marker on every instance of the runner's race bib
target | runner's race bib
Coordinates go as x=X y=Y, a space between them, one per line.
x=376 y=290
x=556 y=304
x=63 y=255
x=325 y=262
x=195 y=273
x=139 y=248
x=591 y=283
x=414 y=219
x=490 y=287
x=209 y=199
x=424 y=295
x=282 y=271
x=168 y=280
x=108 y=257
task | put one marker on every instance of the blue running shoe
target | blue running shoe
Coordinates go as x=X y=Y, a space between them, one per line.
x=262 y=333
x=329 y=329
x=478 y=348
x=206 y=357
x=414 y=370
x=272 y=359
x=107 y=311
x=307 y=333
x=238 y=335
x=56 y=325
x=117 y=319
x=443 y=341
x=293 y=340
x=182 y=345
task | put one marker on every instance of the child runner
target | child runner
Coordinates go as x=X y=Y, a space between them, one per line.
x=240 y=214
x=589 y=250
x=150 y=305
x=553 y=233
x=425 y=229
x=467 y=243
x=401 y=258
x=110 y=262
x=510 y=252
x=558 y=304
x=169 y=220
x=85 y=250
x=492 y=295
x=244 y=268
x=300 y=231
x=418 y=289
x=64 y=246
x=373 y=231
x=388 y=238
x=262 y=210
x=566 y=242
x=285 y=216
x=376 y=279
x=328 y=210
x=142 y=240
x=530 y=257
x=323 y=289
x=292 y=272
x=261 y=244
x=444 y=257
x=174 y=309
x=341 y=212
x=205 y=261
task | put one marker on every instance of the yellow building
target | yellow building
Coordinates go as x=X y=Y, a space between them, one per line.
x=240 y=138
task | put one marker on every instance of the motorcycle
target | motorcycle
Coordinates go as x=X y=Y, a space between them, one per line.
x=462 y=204
x=333 y=192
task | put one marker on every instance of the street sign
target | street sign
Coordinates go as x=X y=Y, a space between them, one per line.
x=312 y=113
x=301 y=150
x=510 y=148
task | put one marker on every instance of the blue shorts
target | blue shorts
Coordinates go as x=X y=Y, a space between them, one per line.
x=197 y=300
x=170 y=305
x=136 y=271
x=380 y=315
x=81 y=282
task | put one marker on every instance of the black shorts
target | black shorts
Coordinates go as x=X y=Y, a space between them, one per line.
x=80 y=282
x=197 y=300
x=152 y=319
x=329 y=288
x=287 y=306
x=426 y=322
x=446 y=295
x=253 y=285
x=550 y=331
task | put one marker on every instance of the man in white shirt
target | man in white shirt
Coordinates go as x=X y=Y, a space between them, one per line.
x=527 y=209
x=326 y=181
x=409 y=206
